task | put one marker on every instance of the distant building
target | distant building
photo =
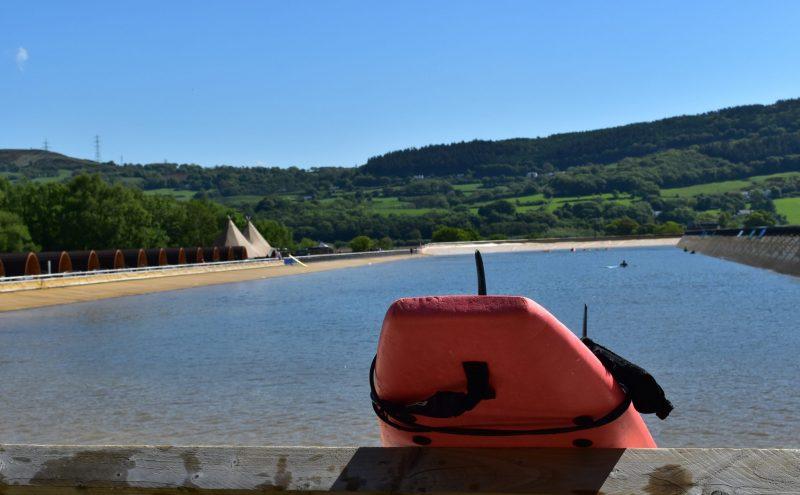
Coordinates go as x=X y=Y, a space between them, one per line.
x=744 y=212
x=320 y=248
x=419 y=176
x=532 y=175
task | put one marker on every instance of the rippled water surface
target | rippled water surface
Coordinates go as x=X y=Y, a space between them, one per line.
x=284 y=361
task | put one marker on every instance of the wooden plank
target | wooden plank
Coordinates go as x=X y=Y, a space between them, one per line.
x=149 y=469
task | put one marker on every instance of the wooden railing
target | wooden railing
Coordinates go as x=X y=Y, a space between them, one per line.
x=149 y=469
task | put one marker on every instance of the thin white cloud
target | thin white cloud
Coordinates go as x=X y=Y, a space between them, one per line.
x=21 y=57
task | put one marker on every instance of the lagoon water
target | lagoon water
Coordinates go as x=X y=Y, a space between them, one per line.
x=284 y=361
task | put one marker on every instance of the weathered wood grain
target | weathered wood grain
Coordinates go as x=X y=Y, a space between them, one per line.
x=148 y=469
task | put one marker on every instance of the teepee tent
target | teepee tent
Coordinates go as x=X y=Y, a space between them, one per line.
x=262 y=247
x=232 y=237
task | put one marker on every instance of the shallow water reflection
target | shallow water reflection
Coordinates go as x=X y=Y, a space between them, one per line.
x=284 y=361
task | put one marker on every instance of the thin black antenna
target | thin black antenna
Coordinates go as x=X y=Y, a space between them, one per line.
x=585 y=319
x=481 y=274
x=97 y=148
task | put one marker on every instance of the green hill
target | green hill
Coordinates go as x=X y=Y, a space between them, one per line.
x=738 y=134
x=732 y=143
x=710 y=168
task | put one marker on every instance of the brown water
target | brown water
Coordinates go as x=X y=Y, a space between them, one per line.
x=284 y=361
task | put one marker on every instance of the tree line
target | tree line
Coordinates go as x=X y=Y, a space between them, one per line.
x=89 y=213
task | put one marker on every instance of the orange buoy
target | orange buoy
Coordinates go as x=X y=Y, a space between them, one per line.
x=538 y=386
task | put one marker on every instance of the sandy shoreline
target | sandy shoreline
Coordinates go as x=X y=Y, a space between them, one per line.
x=510 y=247
x=105 y=289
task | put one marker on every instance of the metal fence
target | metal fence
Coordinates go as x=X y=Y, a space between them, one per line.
x=748 y=231
x=161 y=268
x=311 y=258
x=144 y=269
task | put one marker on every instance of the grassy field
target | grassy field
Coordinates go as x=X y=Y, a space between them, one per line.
x=387 y=205
x=393 y=205
x=61 y=177
x=710 y=188
x=176 y=193
x=722 y=186
x=790 y=208
x=764 y=178
x=467 y=187
x=538 y=201
x=531 y=198
x=622 y=199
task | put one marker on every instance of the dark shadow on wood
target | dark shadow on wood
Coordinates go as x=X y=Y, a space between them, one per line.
x=419 y=470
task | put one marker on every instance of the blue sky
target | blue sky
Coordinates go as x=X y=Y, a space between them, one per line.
x=335 y=82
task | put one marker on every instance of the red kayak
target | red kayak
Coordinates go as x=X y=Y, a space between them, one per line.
x=501 y=371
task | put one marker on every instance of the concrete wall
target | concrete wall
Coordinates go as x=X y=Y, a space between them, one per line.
x=779 y=252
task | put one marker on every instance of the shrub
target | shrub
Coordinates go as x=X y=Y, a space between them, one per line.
x=669 y=228
x=361 y=243
x=622 y=226
x=14 y=234
x=453 y=234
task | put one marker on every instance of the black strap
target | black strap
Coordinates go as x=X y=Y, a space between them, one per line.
x=647 y=395
x=442 y=404
x=402 y=417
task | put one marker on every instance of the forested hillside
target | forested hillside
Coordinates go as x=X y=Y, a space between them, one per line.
x=739 y=134
x=737 y=166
